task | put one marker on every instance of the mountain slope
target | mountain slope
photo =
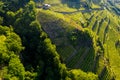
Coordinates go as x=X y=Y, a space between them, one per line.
x=78 y=47
x=104 y=21
x=106 y=25
x=38 y=60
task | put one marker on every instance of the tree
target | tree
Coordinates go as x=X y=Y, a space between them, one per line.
x=15 y=68
x=14 y=5
x=10 y=47
x=80 y=75
x=13 y=43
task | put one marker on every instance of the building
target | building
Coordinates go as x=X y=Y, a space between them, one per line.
x=46 y=6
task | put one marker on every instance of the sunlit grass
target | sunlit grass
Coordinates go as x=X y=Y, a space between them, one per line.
x=110 y=37
x=95 y=6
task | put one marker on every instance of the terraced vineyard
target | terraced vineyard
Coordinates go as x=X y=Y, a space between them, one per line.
x=60 y=40
x=105 y=26
x=104 y=23
x=75 y=54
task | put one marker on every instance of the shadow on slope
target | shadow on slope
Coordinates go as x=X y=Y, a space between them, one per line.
x=73 y=42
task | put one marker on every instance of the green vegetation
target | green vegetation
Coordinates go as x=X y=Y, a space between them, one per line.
x=38 y=59
x=101 y=22
x=106 y=26
x=72 y=40
x=84 y=45
x=10 y=47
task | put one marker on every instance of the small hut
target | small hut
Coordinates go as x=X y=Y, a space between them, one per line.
x=46 y=6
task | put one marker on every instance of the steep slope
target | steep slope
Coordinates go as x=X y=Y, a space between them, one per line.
x=78 y=47
x=106 y=25
x=39 y=60
x=109 y=34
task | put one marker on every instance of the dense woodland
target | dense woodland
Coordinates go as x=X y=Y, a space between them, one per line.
x=29 y=49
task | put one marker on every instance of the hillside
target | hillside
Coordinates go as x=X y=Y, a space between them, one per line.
x=59 y=40
x=26 y=51
x=78 y=47
x=103 y=22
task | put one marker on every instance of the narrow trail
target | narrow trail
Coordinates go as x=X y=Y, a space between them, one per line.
x=83 y=11
x=82 y=58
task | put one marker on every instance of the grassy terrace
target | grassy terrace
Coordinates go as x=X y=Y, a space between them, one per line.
x=92 y=23
x=107 y=31
x=102 y=29
x=111 y=35
x=112 y=53
x=105 y=25
x=70 y=54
